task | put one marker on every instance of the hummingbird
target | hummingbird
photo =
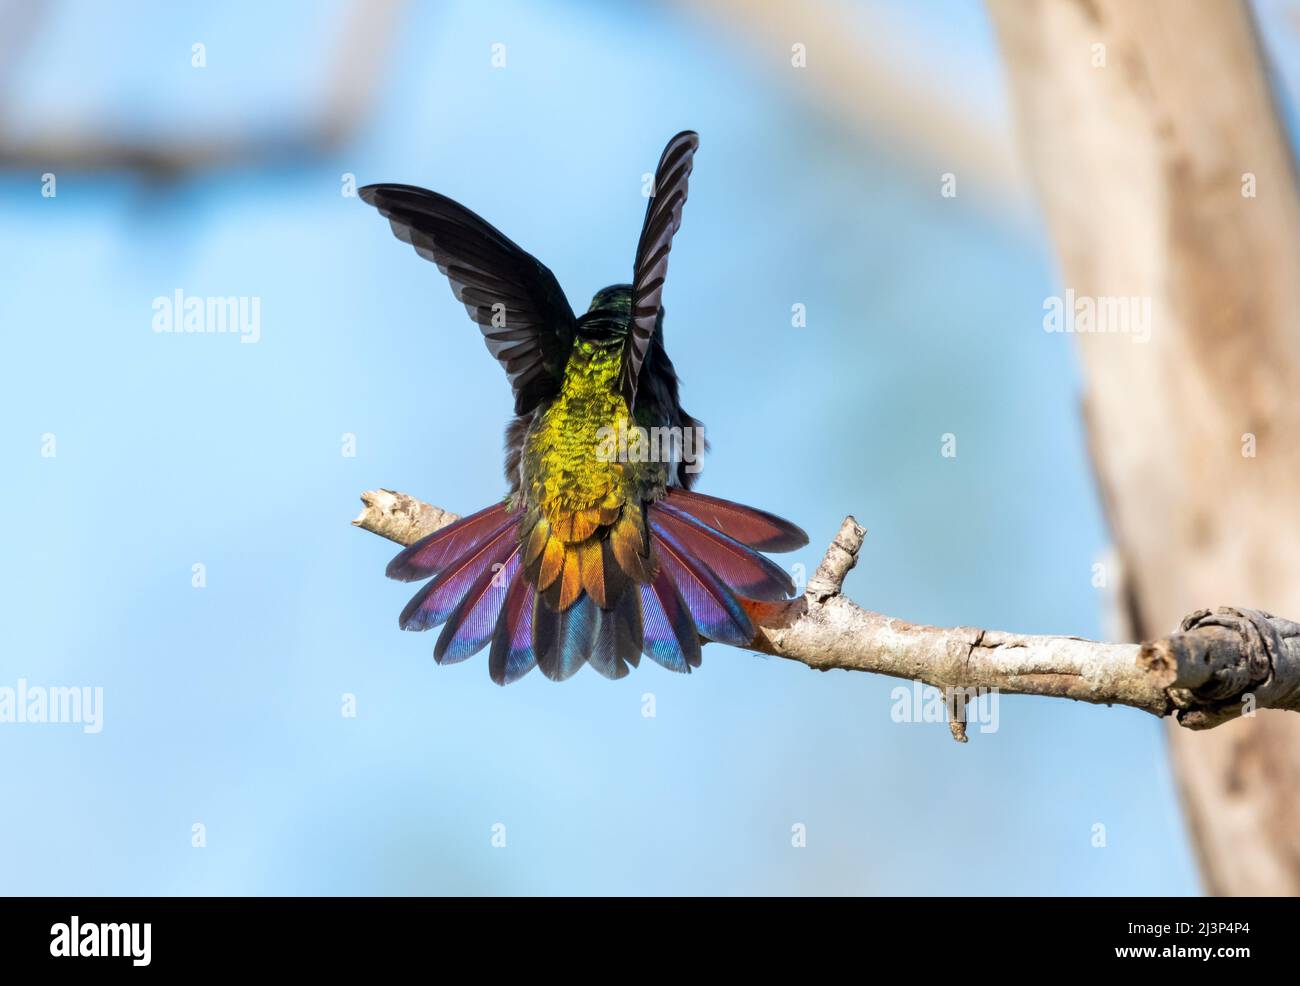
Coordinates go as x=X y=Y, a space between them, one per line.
x=601 y=550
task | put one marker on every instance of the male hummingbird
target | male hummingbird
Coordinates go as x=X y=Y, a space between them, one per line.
x=600 y=551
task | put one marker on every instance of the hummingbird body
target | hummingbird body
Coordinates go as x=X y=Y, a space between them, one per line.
x=594 y=556
x=574 y=501
x=559 y=471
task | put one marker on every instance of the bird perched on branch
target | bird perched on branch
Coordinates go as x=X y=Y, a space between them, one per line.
x=601 y=551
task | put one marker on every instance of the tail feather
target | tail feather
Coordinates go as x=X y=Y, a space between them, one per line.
x=618 y=638
x=512 y=655
x=654 y=587
x=563 y=640
x=712 y=605
x=630 y=546
x=628 y=629
x=670 y=637
x=471 y=626
x=603 y=657
x=434 y=603
x=755 y=528
x=616 y=580
x=744 y=570
x=432 y=554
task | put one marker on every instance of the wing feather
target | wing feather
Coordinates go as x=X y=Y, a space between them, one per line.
x=512 y=296
x=663 y=217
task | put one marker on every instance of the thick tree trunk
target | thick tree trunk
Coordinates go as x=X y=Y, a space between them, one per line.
x=1165 y=173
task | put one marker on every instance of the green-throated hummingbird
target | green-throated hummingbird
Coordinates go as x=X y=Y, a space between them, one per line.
x=600 y=551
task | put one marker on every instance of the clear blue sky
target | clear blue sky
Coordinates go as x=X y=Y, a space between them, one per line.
x=222 y=704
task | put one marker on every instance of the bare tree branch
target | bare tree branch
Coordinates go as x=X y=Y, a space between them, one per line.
x=367 y=32
x=1218 y=666
x=861 y=78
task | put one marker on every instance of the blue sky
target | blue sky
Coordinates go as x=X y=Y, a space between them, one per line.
x=222 y=704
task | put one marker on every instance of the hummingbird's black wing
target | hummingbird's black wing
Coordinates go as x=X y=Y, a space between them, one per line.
x=663 y=216
x=526 y=320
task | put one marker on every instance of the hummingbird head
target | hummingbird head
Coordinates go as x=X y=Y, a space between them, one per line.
x=610 y=314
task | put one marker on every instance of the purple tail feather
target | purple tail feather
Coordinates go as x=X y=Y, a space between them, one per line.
x=706 y=560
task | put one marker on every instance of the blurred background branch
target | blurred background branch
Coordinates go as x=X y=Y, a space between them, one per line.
x=364 y=44
x=865 y=82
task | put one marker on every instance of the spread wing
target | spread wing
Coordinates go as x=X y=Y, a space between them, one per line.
x=663 y=216
x=526 y=320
